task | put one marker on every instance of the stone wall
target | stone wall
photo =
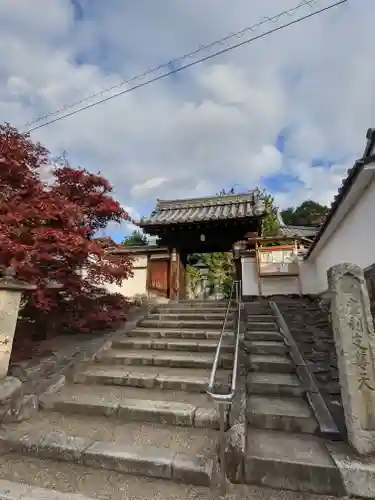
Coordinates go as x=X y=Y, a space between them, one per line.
x=308 y=322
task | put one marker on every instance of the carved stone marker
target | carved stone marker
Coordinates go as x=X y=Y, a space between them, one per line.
x=355 y=346
x=10 y=297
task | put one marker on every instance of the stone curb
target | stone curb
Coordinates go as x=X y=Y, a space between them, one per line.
x=171 y=344
x=177 y=333
x=327 y=426
x=10 y=490
x=146 y=381
x=198 y=315
x=145 y=461
x=357 y=473
x=157 y=412
x=206 y=304
x=146 y=358
x=236 y=435
x=164 y=324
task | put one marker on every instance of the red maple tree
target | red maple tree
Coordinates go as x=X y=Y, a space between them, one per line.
x=47 y=234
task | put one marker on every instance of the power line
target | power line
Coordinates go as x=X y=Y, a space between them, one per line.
x=189 y=65
x=180 y=59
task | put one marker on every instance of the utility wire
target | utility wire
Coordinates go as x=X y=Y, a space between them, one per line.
x=180 y=59
x=186 y=66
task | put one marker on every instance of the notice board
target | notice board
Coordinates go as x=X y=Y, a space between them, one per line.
x=278 y=261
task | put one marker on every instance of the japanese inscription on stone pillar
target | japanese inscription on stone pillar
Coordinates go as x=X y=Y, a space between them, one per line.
x=355 y=346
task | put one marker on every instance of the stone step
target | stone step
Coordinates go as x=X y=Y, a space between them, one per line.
x=261 y=317
x=290 y=462
x=264 y=335
x=189 y=310
x=196 y=304
x=175 y=359
x=186 y=316
x=105 y=484
x=258 y=307
x=262 y=325
x=128 y=404
x=10 y=490
x=172 y=344
x=271 y=363
x=180 y=454
x=195 y=324
x=189 y=380
x=178 y=333
x=266 y=347
x=276 y=384
x=262 y=313
x=279 y=413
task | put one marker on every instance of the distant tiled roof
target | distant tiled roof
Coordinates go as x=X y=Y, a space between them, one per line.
x=352 y=174
x=299 y=231
x=205 y=209
x=295 y=231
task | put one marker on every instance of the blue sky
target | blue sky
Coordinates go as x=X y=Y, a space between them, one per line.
x=288 y=112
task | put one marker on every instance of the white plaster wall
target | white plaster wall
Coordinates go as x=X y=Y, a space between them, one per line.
x=353 y=241
x=283 y=285
x=249 y=276
x=135 y=285
x=308 y=277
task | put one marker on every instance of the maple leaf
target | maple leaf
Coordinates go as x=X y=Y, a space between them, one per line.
x=46 y=234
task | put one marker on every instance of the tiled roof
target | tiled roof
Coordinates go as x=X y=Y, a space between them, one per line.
x=295 y=231
x=352 y=174
x=299 y=231
x=205 y=209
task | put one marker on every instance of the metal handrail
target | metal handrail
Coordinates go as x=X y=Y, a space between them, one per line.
x=226 y=399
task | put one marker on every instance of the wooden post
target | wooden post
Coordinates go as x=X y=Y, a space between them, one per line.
x=182 y=276
x=298 y=269
x=257 y=257
x=148 y=276
x=174 y=275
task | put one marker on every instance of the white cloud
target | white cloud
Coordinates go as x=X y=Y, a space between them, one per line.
x=206 y=128
x=132 y=212
x=142 y=190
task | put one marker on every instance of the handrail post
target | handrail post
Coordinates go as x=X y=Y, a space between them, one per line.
x=222 y=449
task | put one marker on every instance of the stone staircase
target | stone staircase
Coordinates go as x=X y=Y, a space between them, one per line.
x=283 y=449
x=140 y=408
x=137 y=420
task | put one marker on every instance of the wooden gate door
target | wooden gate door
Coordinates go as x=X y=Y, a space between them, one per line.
x=159 y=277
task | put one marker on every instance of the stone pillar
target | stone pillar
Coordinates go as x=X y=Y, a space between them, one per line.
x=355 y=346
x=10 y=297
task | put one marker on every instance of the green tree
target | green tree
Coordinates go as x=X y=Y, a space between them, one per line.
x=307 y=213
x=220 y=267
x=194 y=276
x=269 y=224
x=136 y=239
